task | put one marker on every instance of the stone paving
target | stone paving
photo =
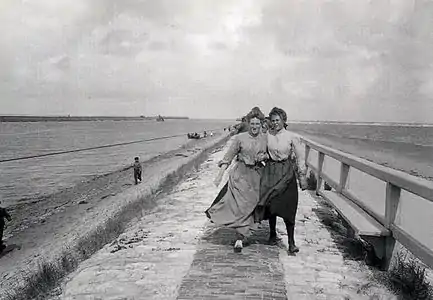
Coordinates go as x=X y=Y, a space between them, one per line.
x=319 y=270
x=219 y=273
x=174 y=252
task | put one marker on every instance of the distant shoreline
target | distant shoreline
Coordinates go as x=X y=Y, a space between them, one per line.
x=408 y=124
x=12 y=118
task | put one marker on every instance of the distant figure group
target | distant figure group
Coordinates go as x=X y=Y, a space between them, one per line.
x=193 y=135
x=197 y=136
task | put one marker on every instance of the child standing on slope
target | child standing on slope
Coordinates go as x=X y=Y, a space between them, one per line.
x=137 y=170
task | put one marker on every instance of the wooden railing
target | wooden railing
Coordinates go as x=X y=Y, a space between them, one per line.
x=396 y=181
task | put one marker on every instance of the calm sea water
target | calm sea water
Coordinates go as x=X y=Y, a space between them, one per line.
x=417 y=135
x=28 y=179
x=406 y=148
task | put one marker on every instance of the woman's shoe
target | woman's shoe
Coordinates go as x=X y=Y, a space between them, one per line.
x=238 y=246
x=293 y=248
x=291 y=240
x=246 y=242
x=273 y=240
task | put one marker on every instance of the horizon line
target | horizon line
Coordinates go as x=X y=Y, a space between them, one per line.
x=200 y=118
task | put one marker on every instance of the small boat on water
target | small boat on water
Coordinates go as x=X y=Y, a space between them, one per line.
x=160 y=119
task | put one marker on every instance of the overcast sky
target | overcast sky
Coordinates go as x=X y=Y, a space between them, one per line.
x=318 y=59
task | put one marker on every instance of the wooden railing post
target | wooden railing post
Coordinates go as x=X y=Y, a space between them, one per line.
x=391 y=203
x=321 y=159
x=344 y=172
x=391 y=208
x=307 y=153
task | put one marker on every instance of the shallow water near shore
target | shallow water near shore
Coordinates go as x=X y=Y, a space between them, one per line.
x=27 y=180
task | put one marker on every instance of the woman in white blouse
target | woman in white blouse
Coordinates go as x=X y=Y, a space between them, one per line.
x=278 y=187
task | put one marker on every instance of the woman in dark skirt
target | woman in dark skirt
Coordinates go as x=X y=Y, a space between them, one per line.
x=278 y=185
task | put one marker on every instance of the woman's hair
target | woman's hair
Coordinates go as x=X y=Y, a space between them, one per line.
x=280 y=112
x=255 y=113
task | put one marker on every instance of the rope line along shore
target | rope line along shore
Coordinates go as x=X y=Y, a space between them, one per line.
x=96 y=147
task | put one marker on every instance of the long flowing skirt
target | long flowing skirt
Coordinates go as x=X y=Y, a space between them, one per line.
x=235 y=204
x=278 y=192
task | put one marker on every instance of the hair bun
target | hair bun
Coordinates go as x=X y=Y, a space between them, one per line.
x=255 y=113
x=280 y=112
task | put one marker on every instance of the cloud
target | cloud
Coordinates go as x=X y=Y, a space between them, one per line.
x=358 y=54
x=318 y=59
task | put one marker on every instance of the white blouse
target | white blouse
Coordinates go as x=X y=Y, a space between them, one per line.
x=283 y=145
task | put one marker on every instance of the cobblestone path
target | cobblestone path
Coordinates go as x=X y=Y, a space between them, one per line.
x=173 y=252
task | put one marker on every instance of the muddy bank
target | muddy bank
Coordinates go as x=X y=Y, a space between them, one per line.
x=59 y=224
x=30 y=213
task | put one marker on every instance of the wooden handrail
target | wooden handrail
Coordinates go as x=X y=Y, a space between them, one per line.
x=413 y=184
x=395 y=181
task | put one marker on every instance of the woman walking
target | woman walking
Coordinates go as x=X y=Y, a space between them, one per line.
x=278 y=188
x=235 y=204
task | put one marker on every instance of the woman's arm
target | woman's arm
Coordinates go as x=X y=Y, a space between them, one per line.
x=300 y=161
x=300 y=157
x=220 y=175
x=226 y=161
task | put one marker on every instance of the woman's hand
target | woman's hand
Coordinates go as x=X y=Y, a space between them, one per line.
x=261 y=157
x=223 y=167
x=218 y=179
x=303 y=182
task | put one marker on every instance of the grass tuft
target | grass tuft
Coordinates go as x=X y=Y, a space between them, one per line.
x=311 y=181
x=407 y=277
x=353 y=248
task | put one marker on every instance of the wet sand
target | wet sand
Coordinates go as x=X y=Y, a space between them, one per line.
x=30 y=214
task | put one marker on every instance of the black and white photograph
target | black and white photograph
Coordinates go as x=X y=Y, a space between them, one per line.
x=216 y=149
